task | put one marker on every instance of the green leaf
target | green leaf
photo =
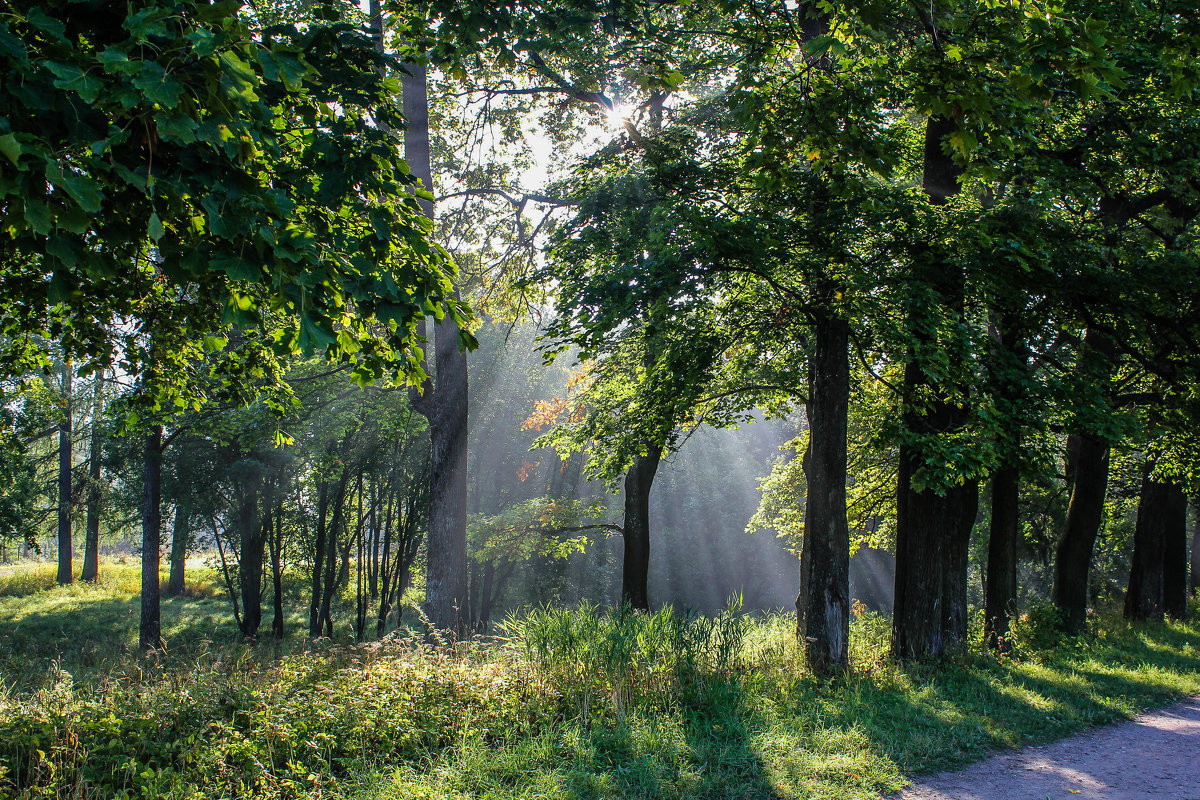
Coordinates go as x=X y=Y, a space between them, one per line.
x=158 y=86
x=71 y=77
x=155 y=229
x=80 y=188
x=10 y=148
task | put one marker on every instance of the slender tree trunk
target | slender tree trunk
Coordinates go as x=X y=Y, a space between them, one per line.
x=374 y=541
x=1161 y=510
x=1000 y=595
x=826 y=534
x=91 y=541
x=487 y=597
x=932 y=530
x=65 y=572
x=325 y=614
x=385 y=571
x=314 y=608
x=277 y=572
x=638 y=481
x=1195 y=577
x=179 y=546
x=150 y=629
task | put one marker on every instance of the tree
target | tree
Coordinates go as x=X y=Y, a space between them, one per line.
x=65 y=488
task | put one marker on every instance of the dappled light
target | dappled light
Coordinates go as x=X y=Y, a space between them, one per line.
x=653 y=400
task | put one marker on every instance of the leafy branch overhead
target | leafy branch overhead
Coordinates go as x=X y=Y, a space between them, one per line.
x=172 y=167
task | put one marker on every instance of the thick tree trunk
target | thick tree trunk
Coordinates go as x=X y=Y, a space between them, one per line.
x=826 y=549
x=444 y=405
x=180 y=534
x=1085 y=514
x=1087 y=476
x=91 y=540
x=1162 y=509
x=1175 y=555
x=932 y=530
x=252 y=539
x=65 y=571
x=1000 y=595
x=636 y=569
x=150 y=629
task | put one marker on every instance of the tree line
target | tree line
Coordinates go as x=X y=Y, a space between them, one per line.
x=960 y=239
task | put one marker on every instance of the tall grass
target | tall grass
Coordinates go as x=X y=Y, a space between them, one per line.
x=601 y=661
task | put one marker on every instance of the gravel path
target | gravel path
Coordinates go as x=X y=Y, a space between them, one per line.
x=1156 y=755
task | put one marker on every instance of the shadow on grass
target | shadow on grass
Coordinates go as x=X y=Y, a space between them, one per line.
x=88 y=629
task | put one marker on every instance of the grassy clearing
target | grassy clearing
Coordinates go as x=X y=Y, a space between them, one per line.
x=569 y=705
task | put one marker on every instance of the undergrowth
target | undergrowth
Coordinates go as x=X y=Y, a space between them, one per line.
x=576 y=704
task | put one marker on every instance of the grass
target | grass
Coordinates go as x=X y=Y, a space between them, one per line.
x=572 y=705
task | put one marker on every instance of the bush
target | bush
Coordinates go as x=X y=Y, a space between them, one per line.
x=1037 y=630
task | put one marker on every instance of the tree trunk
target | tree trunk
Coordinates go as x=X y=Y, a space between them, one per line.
x=444 y=404
x=252 y=534
x=385 y=571
x=1195 y=578
x=932 y=530
x=1087 y=471
x=91 y=541
x=314 y=608
x=1000 y=595
x=150 y=629
x=179 y=547
x=325 y=613
x=65 y=571
x=1175 y=555
x=636 y=569
x=277 y=572
x=1085 y=514
x=1161 y=510
x=826 y=548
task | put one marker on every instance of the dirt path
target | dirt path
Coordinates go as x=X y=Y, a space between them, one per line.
x=1156 y=755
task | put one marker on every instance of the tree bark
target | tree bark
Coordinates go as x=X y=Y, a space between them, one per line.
x=180 y=534
x=1085 y=514
x=150 y=628
x=1195 y=577
x=91 y=540
x=932 y=530
x=252 y=534
x=636 y=535
x=277 y=572
x=1175 y=554
x=1087 y=471
x=65 y=571
x=1162 y=511
x=444 y=403
x=1000 y=595
x=825 y=592
x=314 y=608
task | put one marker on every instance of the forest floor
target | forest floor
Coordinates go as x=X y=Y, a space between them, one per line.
x=564 y=705
x=1152 y=755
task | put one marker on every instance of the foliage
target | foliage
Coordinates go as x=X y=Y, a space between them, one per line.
x=174 y=169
